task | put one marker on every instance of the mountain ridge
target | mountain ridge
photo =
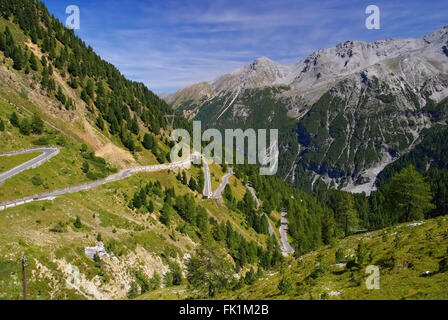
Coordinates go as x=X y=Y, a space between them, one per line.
x=399 y=76
x=292 y=74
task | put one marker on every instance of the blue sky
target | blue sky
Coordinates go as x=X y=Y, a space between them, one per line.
x=169 y=44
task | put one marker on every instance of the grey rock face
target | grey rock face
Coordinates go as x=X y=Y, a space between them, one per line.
x=355 y=107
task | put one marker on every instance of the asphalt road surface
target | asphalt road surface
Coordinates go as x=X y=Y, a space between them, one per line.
x=91 y=185
x=284 y=244
x=287 y=249
x=252 y=191
x=225 y=181
x=208 y=193
x=46 y=154
x=270 y=227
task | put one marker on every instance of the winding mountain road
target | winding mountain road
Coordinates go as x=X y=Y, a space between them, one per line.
x=86 y=186
x=287 y=248
x=50 y=152
x=46 y=154
x=225 y=181
x=208 y=193
x=252 y=191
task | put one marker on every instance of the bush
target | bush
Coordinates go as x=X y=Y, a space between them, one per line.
x=340 y=256
x=25 y=127
x=142 y=281
x=37 y=125
x=176 y=273
x=148 y=141
x=37 y=181
x=14 y=120
x=42 y=141
x=85 y=167
x=60 y=141
x=134 y=291
x=156 y=281
x=58 y=228
x=285 y=285
x=77 y=224
x=168 y=279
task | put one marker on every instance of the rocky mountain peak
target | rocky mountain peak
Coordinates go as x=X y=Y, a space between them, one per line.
x=439 y=36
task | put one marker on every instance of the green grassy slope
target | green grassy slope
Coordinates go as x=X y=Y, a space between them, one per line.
x=46 y=234
x=7 y=163
x=60 y=172
x=402 y=253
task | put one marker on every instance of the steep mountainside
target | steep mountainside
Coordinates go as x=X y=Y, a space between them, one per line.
x=412 y=260
x=128 y=233
x=344 y=113
x=105 y=216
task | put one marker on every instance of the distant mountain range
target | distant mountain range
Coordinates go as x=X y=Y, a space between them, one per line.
x=344 y=113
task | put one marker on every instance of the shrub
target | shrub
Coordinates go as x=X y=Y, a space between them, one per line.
x=134 y=291
x=156 y=281
x=77 y=224
x=37 y=180
x=285 y=285
x=59 y=227
x=42 y=141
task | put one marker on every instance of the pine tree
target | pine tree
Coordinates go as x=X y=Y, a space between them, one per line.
x=346 y=214
x=77 y=224
x=142 y=195
x=193 y=185
x=165 y=214
x=37 y=125
x=33 y=62
x=156 y=281
x=2 y=42
x=209 y=270
x=100 y=122
x=227 y=194
x=25 y=127
x=150 y=206
x=85 y=96
x=73 y=82
x=60 y=96
x=90 y=88
x=137 y=201
x=43 y=61
x=148 y=141
x=85 y=167
x=409 y=195
x=133 y=125
x=14 y=120
x=18 y=59
x=285 y=285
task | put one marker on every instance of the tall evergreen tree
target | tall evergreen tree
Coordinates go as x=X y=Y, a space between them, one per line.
x=209 y=270
x=33 y=62
x=18 y=58
x=37 y=125
x=14 y=120
x=409 y=195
